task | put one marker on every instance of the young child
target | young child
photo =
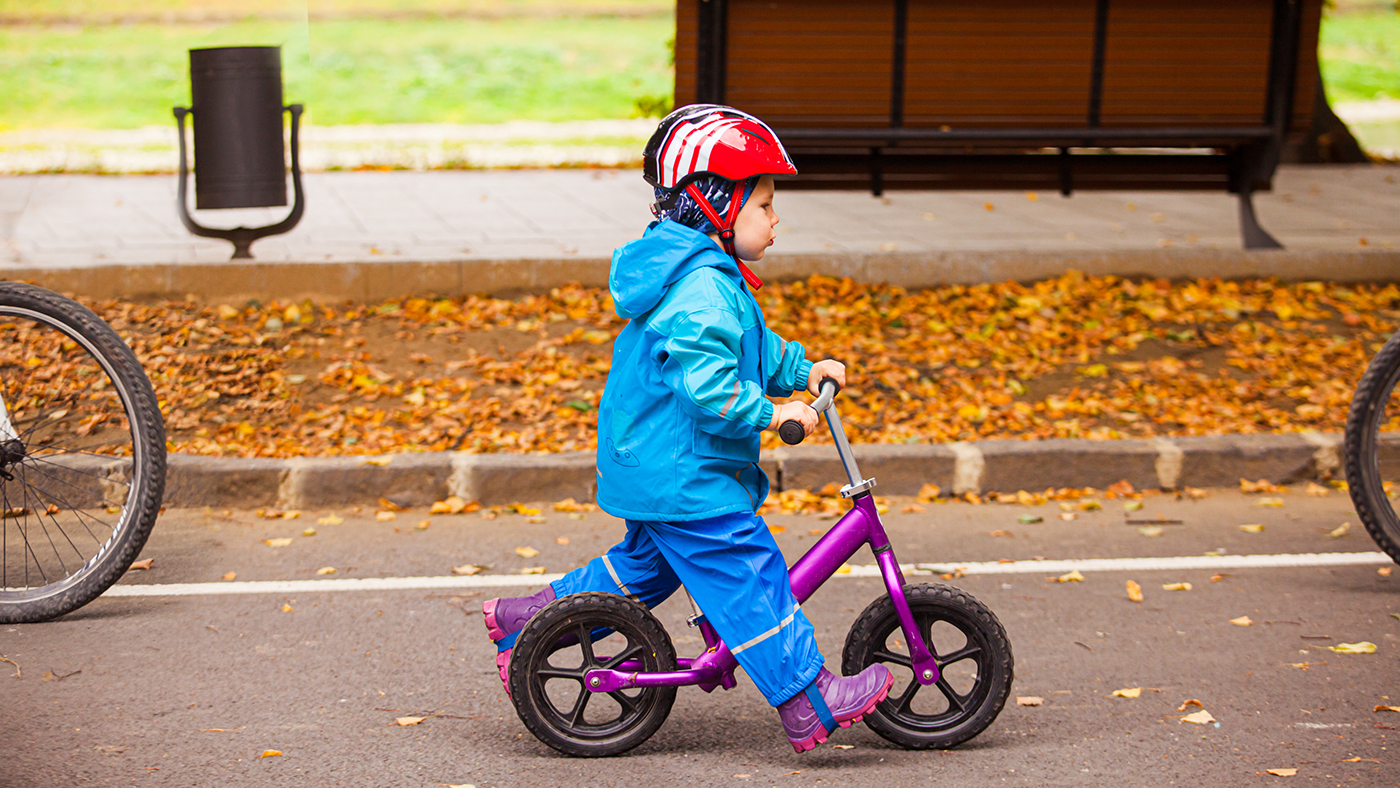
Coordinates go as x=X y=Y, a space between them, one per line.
x=680 y=417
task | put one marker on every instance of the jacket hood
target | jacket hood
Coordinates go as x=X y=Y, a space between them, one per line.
x=644 y=269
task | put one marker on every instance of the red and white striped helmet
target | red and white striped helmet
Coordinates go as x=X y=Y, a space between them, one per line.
x=710 y=139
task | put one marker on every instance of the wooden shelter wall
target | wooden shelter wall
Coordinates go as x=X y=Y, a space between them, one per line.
x=686 y=40
x=1000 y=63
x=1193 y=63
x=829 y=67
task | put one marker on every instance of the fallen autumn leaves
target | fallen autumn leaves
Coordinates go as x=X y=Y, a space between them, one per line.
x=1076 y=356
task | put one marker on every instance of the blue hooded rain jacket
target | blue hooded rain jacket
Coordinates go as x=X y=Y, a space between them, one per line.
x=679 y=422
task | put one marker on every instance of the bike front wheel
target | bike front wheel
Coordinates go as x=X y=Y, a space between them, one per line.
x=973 y=656
x=82 y=455
x=1373 y=448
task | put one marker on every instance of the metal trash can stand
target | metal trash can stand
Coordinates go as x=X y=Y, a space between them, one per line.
x=236 y=101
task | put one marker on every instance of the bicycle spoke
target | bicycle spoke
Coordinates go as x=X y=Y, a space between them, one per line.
x=576 y=716
x=559 y=673
x=75 y=511
x=959 y=655
x=26 y=508
x=897 y=659
x=40 y=419
x=58 y=478
x=624 y=656
x=902 y=706
x=59 y=450
x=27 y=486
x=585 y=641
x=5 y=500
x=61 y=480
x=628 y=705
x=954 y=699
x=44 y=458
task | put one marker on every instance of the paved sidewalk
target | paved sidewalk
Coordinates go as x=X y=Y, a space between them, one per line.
x=1334 y=221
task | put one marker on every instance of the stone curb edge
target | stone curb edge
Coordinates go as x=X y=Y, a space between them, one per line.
x=977 y=466
x=369 y=280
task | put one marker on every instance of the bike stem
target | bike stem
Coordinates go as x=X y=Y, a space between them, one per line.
x=858 y=527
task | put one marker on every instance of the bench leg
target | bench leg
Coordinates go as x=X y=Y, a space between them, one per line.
x=1254 y=236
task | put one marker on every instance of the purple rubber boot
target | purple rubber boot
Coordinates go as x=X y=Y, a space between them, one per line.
x=505 y=617
x=843 y=700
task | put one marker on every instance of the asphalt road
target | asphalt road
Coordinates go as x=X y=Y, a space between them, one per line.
x=190 y=690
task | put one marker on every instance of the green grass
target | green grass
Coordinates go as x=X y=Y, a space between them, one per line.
x=350 y=71
x=402 y=68
x=1360 y=52
x=168 y=10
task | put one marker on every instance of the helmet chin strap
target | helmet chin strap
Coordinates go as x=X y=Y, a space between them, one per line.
x=725 y=227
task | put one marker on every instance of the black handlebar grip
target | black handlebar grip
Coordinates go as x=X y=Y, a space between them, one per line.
x=792 y=432
x=833 y=382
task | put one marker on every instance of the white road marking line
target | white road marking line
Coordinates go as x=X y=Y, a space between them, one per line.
x=1086 y=565
x=1322 y=726
x=1150 y=564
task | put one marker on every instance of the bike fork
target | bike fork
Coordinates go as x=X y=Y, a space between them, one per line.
x=922 y=661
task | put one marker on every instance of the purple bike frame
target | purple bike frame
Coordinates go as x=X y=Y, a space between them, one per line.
x=858 y=527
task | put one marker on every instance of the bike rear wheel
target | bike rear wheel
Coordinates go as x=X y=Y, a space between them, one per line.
x=1373 y=448
x=556 y=650
x=82 y=455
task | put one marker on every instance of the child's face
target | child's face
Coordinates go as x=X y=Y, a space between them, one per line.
x=753 y=229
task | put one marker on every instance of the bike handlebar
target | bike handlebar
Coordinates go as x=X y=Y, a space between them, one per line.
x=791 y=431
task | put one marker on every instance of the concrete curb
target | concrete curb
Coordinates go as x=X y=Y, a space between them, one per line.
x=978 y=466
x=373 y=280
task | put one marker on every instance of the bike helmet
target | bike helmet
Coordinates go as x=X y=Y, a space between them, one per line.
x=703 y=140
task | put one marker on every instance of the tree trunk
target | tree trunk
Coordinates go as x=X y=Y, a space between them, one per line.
x=1329 y=141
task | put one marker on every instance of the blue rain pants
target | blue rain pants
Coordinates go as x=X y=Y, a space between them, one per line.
x=733 y=569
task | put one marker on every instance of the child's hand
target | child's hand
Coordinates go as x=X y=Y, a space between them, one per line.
x=798 y=411
x=829 y=368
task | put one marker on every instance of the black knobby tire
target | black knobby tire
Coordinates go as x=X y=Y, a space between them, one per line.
x=82 y=455
x=569 y=637
x=1365 y=447
x=962 y=633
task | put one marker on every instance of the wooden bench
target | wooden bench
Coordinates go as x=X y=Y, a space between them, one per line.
x=1014 y=94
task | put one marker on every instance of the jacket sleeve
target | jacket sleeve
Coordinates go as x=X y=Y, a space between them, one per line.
x=699 y=361
x=792 y=369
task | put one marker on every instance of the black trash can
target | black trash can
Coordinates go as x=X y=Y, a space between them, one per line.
x=236 y=100
x=236 y=95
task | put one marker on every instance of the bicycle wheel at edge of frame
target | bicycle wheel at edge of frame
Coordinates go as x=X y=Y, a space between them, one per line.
x=1362 y=448
x=145 y=484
